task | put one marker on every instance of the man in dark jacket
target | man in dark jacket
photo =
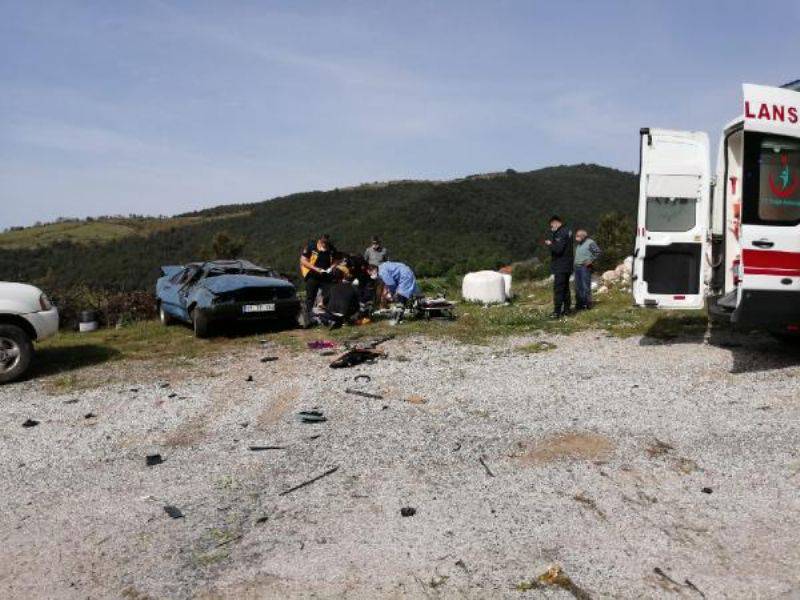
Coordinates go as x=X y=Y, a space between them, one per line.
x=561 y=263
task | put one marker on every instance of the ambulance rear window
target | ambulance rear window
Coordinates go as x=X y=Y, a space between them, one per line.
x=771 y=180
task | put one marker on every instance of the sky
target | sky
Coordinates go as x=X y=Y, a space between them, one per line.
x=162 y=107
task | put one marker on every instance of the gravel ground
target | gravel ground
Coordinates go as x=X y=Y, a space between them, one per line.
x=642 y=469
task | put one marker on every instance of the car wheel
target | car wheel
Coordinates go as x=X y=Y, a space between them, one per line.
x=164 y=317
x=16 y=352
x=200 y=323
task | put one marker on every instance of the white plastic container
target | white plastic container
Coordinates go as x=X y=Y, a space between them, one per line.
x=487 y=287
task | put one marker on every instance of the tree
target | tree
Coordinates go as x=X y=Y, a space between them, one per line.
x=226 y=246
x=615 y=235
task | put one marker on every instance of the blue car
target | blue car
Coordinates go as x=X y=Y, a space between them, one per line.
x=205 y=294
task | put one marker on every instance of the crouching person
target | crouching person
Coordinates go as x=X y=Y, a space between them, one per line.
x=341 y=300
x=399 y=284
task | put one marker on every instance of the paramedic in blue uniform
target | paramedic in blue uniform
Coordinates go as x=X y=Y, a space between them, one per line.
x=399 y=281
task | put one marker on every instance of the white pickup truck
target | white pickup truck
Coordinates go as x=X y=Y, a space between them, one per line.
x=26 y=315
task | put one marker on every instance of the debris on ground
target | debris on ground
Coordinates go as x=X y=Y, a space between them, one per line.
x=356 y=392
x=408 y=511
x=152 y=460
x=311 y=416
x=362 y=377
x=310 y=481
x=172 y=395
x=262 y=448
x=357 y=356
x=686 y=582
x=485 y=466
x=249 y=378
x=89 y=415
x=173 y=511
x=555 y=576
x=658 y=448
x=30 y=423
x=707 y=490
x=321 y=345
x=267 y=359
x=71 y=401
x=416 y=399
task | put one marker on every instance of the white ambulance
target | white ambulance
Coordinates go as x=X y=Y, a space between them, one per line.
x=733 y=239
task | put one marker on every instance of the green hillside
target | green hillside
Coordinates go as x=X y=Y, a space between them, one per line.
x=437 y=227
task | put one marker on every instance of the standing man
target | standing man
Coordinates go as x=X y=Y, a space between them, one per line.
x=586 y=254
x=561 y=260
x=376 y=254
x=316 y=262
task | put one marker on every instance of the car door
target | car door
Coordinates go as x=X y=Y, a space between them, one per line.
x=672 y=219
x=188 y=281
x=168 y=293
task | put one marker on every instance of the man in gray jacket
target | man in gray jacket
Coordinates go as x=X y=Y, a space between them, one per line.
x=376 y=253
x=586 y=253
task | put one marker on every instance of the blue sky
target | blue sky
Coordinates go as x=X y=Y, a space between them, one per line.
x=159 y=107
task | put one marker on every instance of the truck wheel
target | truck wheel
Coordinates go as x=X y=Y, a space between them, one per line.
x=164 y=317
x=200 y=323
x=16 y=352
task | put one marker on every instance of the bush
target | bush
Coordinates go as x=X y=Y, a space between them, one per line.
x=615 y=236
x=529 y=270
x=113 y=308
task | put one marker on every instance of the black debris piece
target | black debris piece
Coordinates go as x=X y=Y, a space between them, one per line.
x=707 y=490
x=30 y=423
x=134 y=390
x=356 y=356
x=249 y=378
x=89 y=415
x=71 y=401
x=173 y=511
x=267 y=359
x=385 y=407
x=356 y=392
x=314 y=437
x=408 y=511
x=163 y=385
x=172 y=395
x=362 y=377
x=261 y=520
x=262 y=448
x=311 y=416
x=309 y=482
x=485 y=466
x=152 y=460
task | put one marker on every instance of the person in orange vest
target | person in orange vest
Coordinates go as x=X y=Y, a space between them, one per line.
x=317 y=261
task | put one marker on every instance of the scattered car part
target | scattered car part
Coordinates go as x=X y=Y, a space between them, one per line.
x=362 y=377
x=173 y=511
x=321 y=345
x=152 y=460
x=262 y=448
x=356 y=356
x=310 y=481
x=26 y=315
x=267 y=359
x=30 y=423
x=311 y=416
x=408 y=511
x=485 y=466
x=89 y=415
x=87 y=321
x=356 y=392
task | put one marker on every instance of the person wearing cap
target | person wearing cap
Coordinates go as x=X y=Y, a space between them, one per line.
x=561 y=264
x=586 y=254
x=376 y=253
x=317 y=260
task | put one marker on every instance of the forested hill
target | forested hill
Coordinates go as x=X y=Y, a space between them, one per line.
x=437 y=227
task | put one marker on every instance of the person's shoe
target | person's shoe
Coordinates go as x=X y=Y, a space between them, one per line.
x=555 y=316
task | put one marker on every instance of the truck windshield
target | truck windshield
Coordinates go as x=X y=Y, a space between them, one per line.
x=771 y=190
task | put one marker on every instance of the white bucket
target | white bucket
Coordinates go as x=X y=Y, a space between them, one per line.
x=88 y=326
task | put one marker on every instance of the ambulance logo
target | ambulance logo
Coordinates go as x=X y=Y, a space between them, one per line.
x=786 y=184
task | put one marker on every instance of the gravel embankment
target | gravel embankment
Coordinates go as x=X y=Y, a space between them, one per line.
x=595 y=457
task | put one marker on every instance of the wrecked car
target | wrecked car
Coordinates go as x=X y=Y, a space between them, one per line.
x=207 y=294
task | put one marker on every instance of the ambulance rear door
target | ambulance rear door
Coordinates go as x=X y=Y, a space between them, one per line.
x=672 y=223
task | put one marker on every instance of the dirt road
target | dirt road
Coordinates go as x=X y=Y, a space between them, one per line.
x=641 y=469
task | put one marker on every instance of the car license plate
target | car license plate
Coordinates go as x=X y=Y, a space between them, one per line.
x=251 y=308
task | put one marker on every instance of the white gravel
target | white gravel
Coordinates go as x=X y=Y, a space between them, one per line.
x=598 y=450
